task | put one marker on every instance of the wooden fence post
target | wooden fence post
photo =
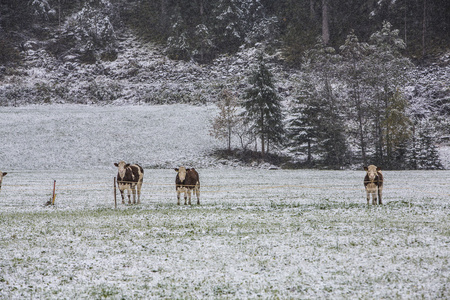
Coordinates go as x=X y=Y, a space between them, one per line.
x=54 y=192
x=115 y=194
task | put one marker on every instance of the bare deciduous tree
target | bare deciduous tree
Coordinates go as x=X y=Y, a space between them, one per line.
x=224 y=124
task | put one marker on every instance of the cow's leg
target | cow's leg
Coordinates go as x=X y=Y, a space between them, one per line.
x=178 y=196
x=374 y=197
x=189 y=195
x=139 y=186
x=380 y=192
x=129 y=194
x=197 y=193
x=133 y=190
x=121 y=194
x=368 y=196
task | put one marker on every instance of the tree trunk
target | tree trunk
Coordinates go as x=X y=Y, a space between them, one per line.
x=59 y=16
x=229 y=139
x=405 y=36
x=263 y=148
x=201 y=8
x=312 y=12
x=360 y=125
x=424 y=27
x=325 y=18
x=163 y=21
x=309 y=159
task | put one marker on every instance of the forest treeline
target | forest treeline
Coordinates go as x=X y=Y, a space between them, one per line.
x=202 y=29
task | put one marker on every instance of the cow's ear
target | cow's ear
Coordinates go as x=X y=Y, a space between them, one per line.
x=187 y=170
x=176 y=170
x=116 y=164
x=127 y=165
x=378 y=169
x=365 y=168
x=4 y=174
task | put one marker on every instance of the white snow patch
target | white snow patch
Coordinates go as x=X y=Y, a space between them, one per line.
x=85 y=137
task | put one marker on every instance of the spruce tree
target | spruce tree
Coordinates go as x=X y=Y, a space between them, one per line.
x=303 y=126
x=332 y=140
x=422 y=152
x=263 y=107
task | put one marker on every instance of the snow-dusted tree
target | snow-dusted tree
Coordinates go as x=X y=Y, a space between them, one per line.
x=229 y=25
x=257 y=24
x=396 y=130
x=178 y=43
x=225 y=123
x=203 y=43
x=332 y=141
x=354 y=70
x=302 y=125
x=422 y=150
x=263 y=107
x=324 y=107
x=88 y=33
x=373 y=74
x=388 y=73
x=239 y=21
x=42 y=9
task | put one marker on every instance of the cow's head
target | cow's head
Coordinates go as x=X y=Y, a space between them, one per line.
x=1 y=177
x=372 y=172
x=181 y=173
x=122 y=167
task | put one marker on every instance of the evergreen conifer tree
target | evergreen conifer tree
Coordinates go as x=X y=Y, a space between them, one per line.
x=303 y=125
x=422 y=152
x=263 y=108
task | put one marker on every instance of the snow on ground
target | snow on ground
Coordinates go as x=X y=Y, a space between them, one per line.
x=257 y=234
x=83 y=137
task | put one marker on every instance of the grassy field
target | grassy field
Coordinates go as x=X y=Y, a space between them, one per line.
x=257 y=234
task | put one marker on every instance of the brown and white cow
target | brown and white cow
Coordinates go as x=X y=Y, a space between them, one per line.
x=128 y=178
x=187 y=180
x=373 y=182
x=2 y=174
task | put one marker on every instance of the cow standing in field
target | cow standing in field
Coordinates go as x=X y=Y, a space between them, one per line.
x=373 y=182
x=1 y=178
x=128 y=178
x=187 y=180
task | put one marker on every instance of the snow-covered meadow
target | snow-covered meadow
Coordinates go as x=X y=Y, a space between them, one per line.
x=258 y=233
x=85 y=137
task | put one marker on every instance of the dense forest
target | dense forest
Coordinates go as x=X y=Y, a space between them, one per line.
x=202 y=29
x=330 y=84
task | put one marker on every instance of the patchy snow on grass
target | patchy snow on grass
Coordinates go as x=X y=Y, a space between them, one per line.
x=257 y=233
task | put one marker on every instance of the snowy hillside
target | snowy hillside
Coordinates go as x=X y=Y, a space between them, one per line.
x=83 y=137
x=140 y=74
